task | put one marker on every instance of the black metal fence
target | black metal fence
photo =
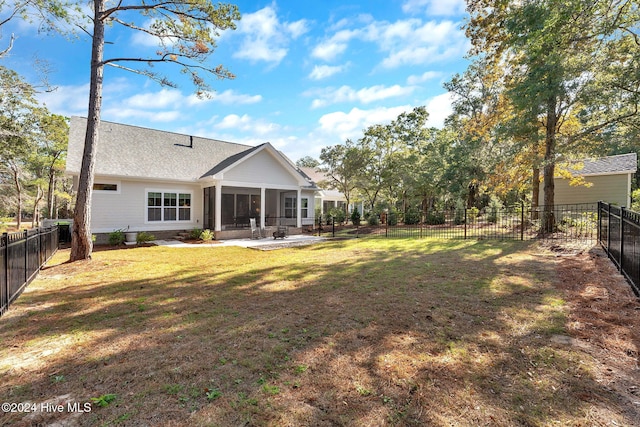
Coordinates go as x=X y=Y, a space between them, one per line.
x=520 y=222
x=619 y=236
x=21 y=256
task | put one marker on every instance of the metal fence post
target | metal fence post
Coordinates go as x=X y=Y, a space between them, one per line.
x=386 y=227
x=521 y=220
x=608 y=228
x=26 y=256
x=5 y=239
x=465 y=223
x=622 y=209
x=599 y=220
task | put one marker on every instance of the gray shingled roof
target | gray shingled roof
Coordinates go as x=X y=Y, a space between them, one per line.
x=133 y=152
x=230 y=160
x=622 y=163
x=318 y=177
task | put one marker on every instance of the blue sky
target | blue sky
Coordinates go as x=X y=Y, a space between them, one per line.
x=309 y=74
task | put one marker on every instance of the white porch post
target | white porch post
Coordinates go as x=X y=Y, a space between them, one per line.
x=262 y=206
x=299 y=209
x=218 y=206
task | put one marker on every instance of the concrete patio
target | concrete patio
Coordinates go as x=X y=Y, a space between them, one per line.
x=267 y=243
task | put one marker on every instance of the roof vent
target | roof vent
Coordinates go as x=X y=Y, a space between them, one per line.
x=185 y=145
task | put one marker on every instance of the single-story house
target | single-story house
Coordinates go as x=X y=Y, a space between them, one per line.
x=164 y=183
x=606 y=179
x=326 y=197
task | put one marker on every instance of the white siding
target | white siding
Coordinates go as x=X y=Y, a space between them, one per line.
x=310 y=195
x=261 y=168
x=607 y=188
x=127 y=209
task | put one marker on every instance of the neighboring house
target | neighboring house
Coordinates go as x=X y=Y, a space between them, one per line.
x=607 y=179
x=163 y=182
x=326 y=198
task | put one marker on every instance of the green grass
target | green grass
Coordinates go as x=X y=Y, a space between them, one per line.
x=358 y=332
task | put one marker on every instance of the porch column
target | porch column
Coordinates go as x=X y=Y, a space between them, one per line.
x=218 y=206
x=263 y=204
x=299 y=209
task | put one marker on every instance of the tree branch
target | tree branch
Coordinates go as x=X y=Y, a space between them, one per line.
x=8 y=49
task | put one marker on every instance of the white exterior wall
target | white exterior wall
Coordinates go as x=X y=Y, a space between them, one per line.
x=607 y=188
x=261 y=169
x=127 y=207
x=311 y=195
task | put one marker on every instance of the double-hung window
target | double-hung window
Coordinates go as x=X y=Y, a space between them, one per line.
x=290 y=205
x=168 y=206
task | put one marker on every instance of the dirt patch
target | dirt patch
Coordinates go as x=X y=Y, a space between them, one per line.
x=604 y=321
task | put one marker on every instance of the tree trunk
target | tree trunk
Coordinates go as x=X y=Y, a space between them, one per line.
x=471 y=195
x=51 y=193
x=81 y=242
x=35 y=220
x=16 y=183
x=535 y=194
x=549 y=168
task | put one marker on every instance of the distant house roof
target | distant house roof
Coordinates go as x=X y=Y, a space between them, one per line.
x=126 y=151
x=319 y=177
x=619 y=164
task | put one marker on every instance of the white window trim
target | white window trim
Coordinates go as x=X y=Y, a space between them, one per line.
x=163 y=191
x=294 y=208
x=103 y=181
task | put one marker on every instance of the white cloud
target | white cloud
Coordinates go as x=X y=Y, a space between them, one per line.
x=439 y=108
x=429 y=75
x=330 y=49
x=249 y=125
x=414 y=42
x=365 y=95
x=323 y=71
x=157 y=100
x=233 y=121
x=265 y=38
x=352 y=124
x=125 y=115
x=228 y=97
x=405 y=42
x=435 y=7
x=67 y=100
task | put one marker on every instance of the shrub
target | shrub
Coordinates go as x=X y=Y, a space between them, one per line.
x=412 y=216
x=435 y=218
x=373 y=220
x=116 y=238
x=392 y=217
x=458 y=217
x=207 y=235
x=635 y=200
x=494 y=206
x=355 y=217
x=472 y=214
x=338 y=215
x=144 y=237
x=195 y=233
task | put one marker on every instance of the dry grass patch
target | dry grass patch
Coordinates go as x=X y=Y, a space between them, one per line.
x=369 y=332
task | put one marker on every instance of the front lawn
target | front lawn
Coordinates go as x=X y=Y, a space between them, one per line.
x=361 y=332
